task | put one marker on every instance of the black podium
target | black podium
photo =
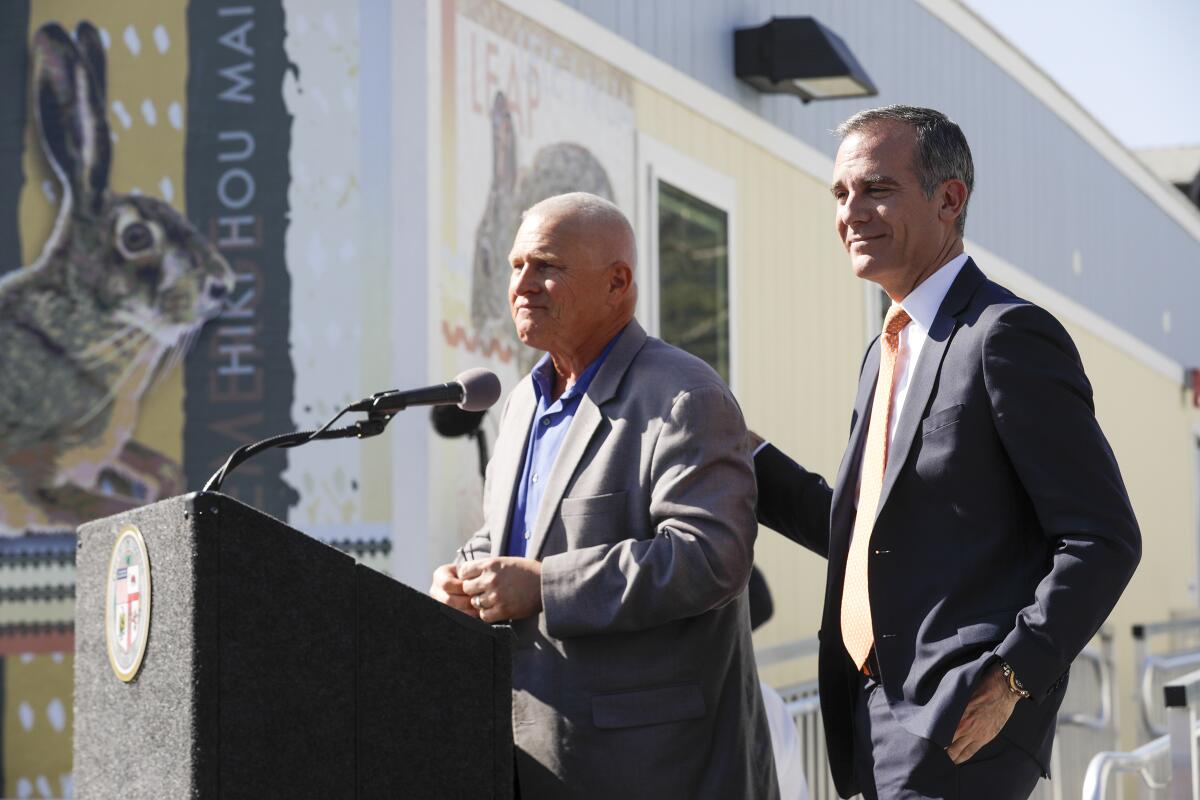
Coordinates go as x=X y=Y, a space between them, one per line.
x=274 y=666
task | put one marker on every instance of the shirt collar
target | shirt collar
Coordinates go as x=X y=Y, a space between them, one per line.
x=543 y=374
x=923 y=302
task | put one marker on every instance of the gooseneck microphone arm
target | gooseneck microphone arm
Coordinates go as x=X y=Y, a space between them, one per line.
x=475 y=389
x=373 y=425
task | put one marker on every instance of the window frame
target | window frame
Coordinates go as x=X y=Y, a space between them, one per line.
x=657 y=162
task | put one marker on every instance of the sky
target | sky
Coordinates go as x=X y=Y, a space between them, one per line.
x=1133 y=64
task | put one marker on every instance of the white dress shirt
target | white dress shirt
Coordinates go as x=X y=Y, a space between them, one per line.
x=922 y=305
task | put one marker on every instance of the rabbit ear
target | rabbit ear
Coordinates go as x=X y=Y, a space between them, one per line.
x=87 y=39
x=70 y=110
x=504 y=144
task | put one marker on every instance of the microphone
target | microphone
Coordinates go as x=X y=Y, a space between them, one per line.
x=474 y=390
x=452 y=422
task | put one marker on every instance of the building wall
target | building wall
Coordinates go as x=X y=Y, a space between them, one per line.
x=1152 y=429
x=1045 y=192
x=799 y=347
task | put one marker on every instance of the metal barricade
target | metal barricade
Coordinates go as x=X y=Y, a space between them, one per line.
x=1150 y=761
x=805 y=709
x=1179 y=656
x=1087 y=721
x=1169 y=766
x=804 y=706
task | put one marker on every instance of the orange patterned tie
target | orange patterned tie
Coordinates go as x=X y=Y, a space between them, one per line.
x=856 y=602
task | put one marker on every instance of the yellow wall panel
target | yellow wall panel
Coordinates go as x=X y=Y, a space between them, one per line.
x=1152 y=429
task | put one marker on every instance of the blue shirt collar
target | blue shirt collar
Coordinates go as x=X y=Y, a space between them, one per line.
x=543 y=375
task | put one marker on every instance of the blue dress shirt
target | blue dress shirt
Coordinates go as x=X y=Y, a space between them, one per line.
x=551 y=421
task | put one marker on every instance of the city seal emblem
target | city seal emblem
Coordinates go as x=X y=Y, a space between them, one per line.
x=127 y=603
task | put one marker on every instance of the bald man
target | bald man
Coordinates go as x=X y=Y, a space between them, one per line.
x=618 y=536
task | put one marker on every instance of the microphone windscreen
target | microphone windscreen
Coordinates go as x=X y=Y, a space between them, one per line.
x=452 y=421
x=481 y=389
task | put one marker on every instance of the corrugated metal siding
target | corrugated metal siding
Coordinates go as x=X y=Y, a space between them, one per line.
x=1042 y=192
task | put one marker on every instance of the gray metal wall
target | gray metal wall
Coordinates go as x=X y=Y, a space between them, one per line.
x=1042 y=192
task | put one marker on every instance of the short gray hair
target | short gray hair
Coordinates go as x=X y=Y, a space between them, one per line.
x=591 y=209
x=942 y=150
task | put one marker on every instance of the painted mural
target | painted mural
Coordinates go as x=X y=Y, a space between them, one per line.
x=555 y=169
x=120 y=291
x=525 y=115
x=192 y=205
x=195 y=201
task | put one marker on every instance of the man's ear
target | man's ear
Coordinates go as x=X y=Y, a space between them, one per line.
x=620 y=281
x=953 y=197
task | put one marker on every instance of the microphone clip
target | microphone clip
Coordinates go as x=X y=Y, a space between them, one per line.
x=368 y=403
x=373 y=425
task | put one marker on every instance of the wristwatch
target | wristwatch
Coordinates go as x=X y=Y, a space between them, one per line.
x=1014 y=683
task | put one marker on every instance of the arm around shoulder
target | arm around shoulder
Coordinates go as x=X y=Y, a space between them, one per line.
x=792 y=500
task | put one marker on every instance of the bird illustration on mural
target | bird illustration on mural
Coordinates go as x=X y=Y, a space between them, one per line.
x=556 y=169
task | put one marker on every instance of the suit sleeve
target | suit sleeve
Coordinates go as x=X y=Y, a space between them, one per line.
x=792 y=500
x=1042 y=408
x=480 y=543
x=699 y=556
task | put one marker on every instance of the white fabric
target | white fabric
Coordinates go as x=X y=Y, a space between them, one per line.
x=785 y=742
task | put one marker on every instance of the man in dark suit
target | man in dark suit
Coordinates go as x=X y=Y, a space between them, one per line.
x=978 y=532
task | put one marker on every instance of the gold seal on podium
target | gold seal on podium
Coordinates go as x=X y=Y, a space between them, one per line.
x=127 y=603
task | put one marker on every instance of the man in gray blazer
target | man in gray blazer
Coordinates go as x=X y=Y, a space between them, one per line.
x=978 y=532
x=618 y=536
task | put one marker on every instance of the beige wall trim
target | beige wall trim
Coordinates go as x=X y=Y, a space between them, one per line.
x=992 y=44
x=594 y=38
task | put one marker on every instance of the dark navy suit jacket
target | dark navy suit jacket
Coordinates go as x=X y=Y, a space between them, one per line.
x=1003 y=530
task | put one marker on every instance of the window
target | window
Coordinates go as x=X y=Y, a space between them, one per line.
x=687 y=274
x=693 y=276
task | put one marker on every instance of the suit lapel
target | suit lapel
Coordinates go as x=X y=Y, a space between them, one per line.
x=925 y=373
x=509 y=459
x=584 y=425
x=847 y=476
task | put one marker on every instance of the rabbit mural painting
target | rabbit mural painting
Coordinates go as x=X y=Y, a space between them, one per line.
x=121 y=288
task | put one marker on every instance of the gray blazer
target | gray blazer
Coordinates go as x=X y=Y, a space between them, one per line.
x=638 y=678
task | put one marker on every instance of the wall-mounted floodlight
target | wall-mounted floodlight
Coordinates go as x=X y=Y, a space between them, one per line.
x=800 y=56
